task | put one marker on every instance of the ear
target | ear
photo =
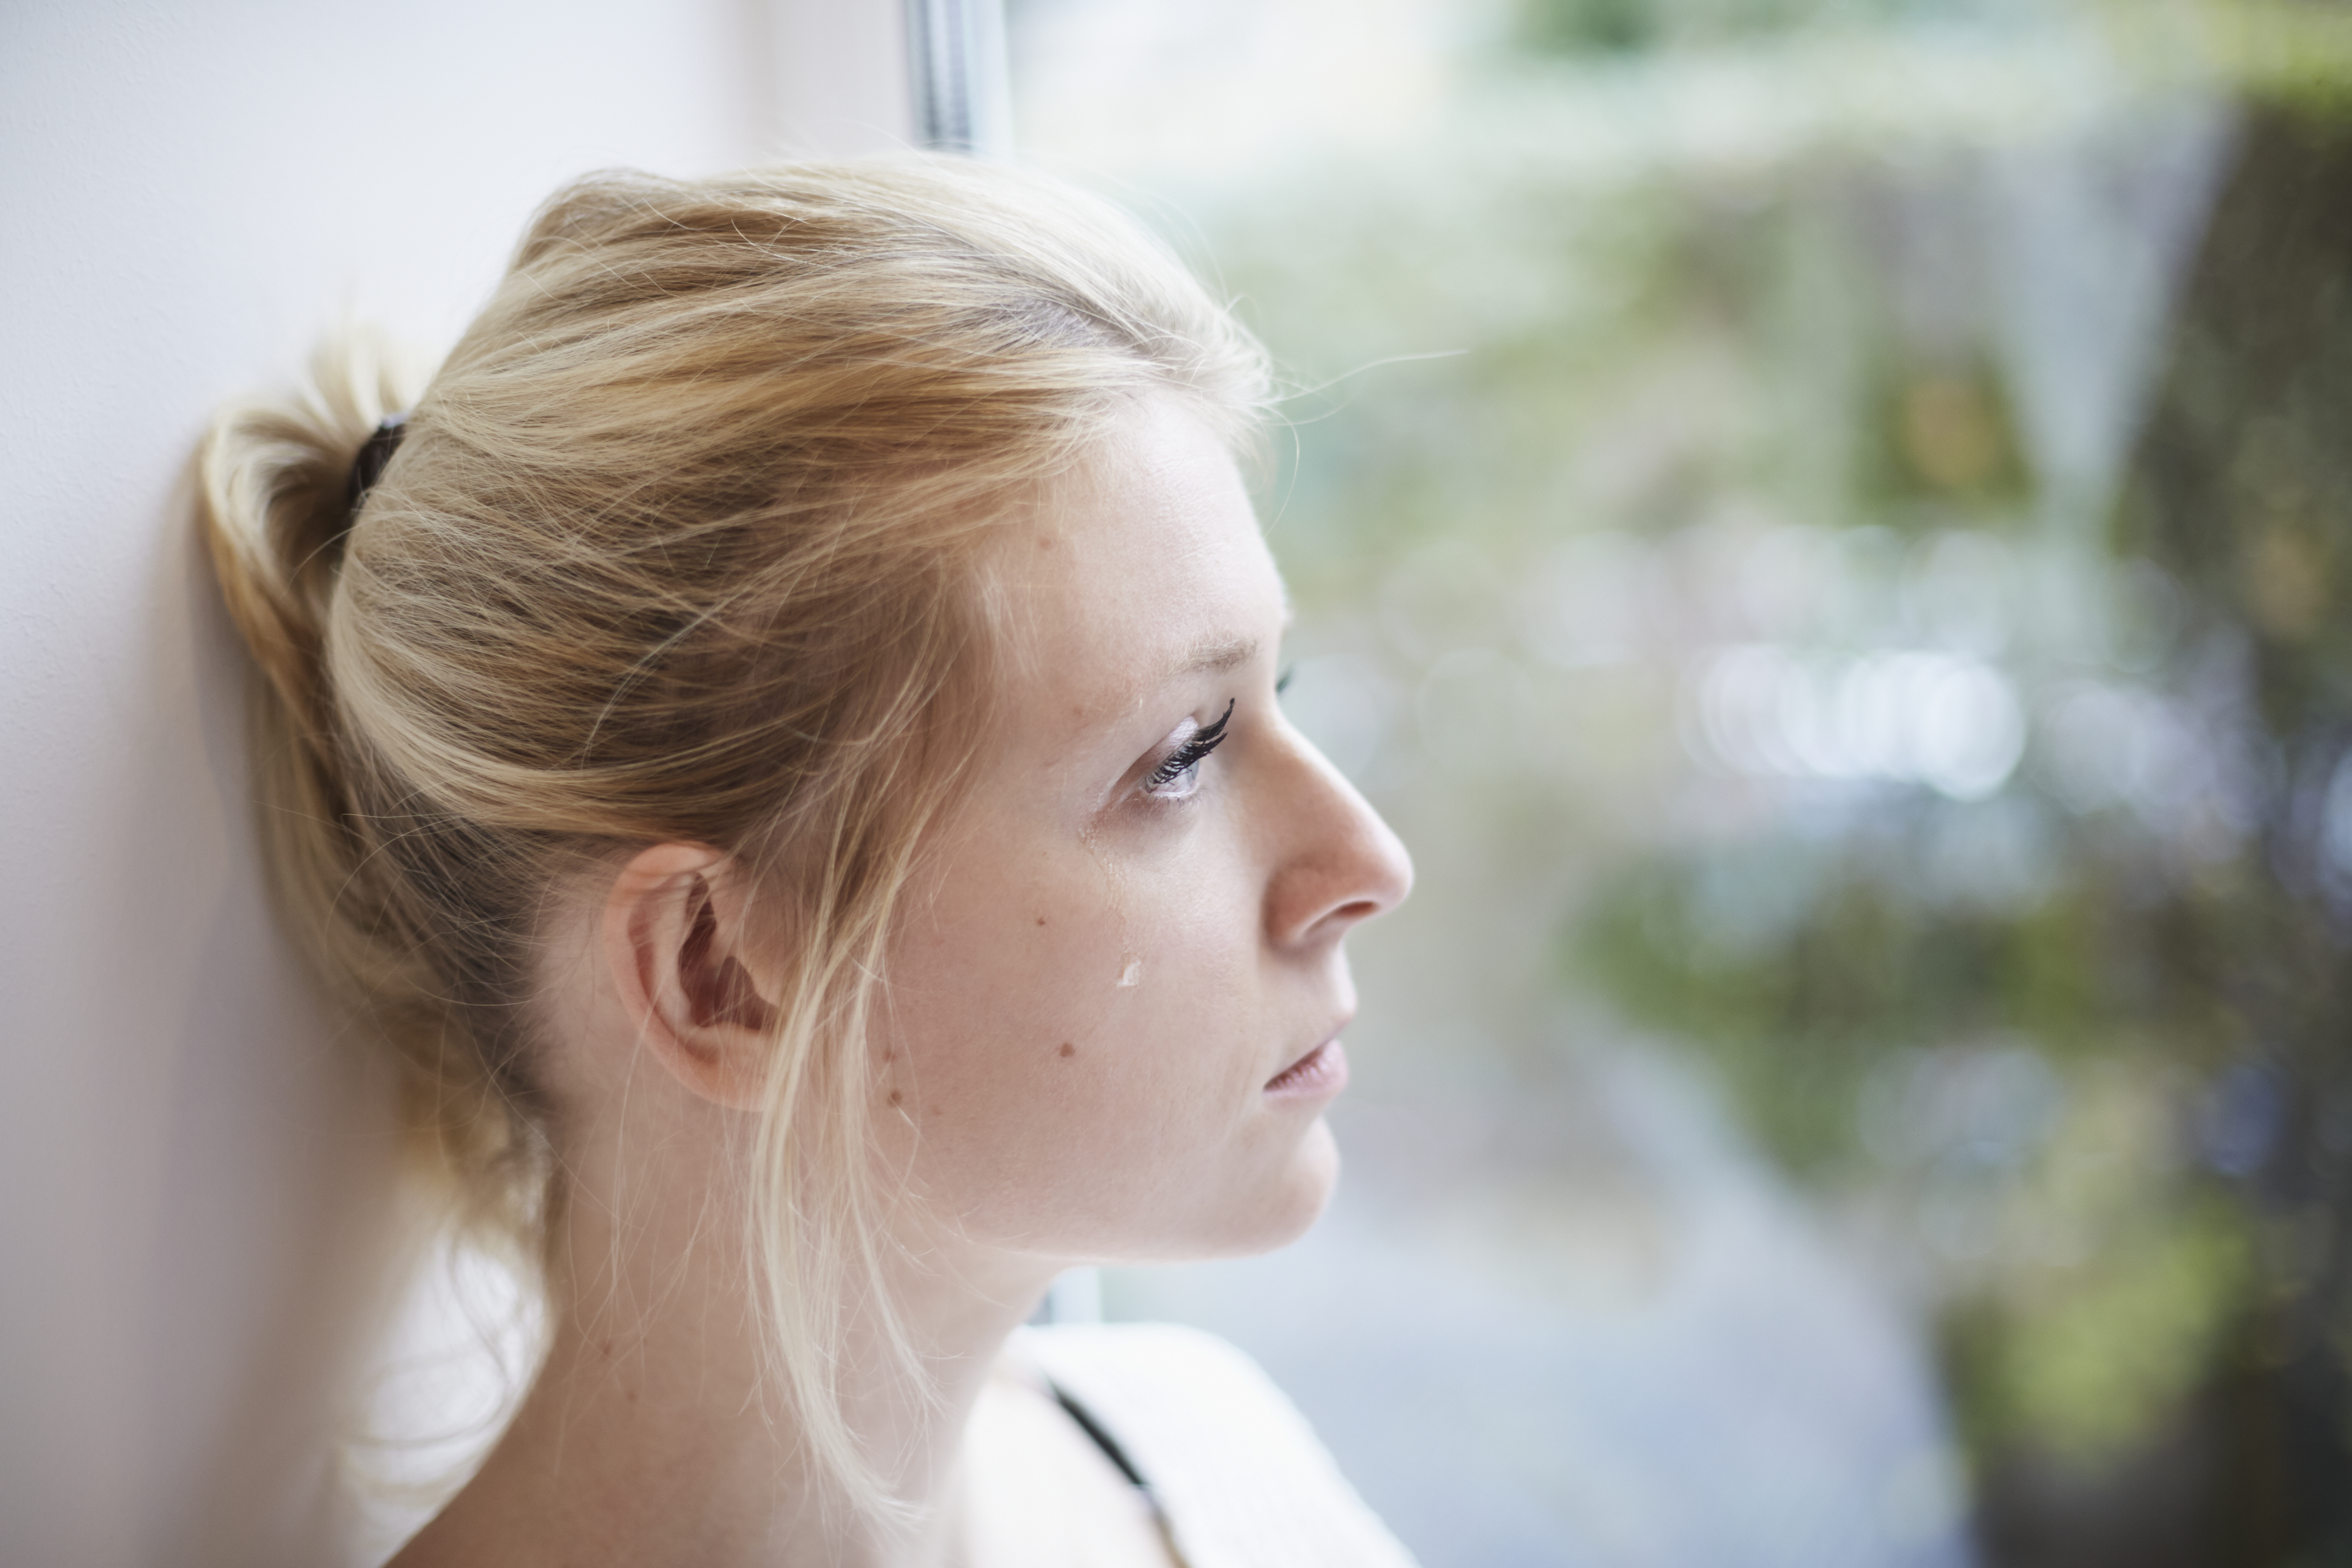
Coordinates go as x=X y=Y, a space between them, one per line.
x=675 y=942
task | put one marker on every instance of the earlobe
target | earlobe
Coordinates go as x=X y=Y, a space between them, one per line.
x=676 y=944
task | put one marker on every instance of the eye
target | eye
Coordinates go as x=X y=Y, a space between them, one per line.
x=1178 y=776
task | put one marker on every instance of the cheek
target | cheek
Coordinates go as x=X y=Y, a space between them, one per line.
x=1071 y=1042
x=1001 y=992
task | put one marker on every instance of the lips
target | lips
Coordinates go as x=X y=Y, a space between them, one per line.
x=1321 y=1071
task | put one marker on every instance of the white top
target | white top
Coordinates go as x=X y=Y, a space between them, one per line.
x=1239 y=1477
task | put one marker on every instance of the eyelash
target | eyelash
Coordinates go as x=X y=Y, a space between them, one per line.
x=1188 y=757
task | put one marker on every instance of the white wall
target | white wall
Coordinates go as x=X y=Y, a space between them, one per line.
x=187 y=196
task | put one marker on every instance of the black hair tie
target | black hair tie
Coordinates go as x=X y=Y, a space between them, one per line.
x=368 y=466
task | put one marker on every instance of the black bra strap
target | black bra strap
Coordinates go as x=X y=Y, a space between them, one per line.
x=1103 y=1440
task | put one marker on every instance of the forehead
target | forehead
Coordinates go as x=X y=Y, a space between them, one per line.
x=1143 y=564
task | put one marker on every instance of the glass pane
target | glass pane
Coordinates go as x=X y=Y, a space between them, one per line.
x=1822 y=523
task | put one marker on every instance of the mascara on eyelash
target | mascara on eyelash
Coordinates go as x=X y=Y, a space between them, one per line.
x=1198 y=745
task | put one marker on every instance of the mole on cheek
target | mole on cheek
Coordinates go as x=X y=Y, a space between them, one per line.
x=1068 y=1049
x=896 y=1097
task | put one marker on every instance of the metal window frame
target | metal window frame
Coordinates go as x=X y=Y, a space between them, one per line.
x=955 y=57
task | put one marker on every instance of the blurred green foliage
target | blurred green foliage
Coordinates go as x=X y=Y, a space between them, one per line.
x=1796 y=1022
x=1578 y=27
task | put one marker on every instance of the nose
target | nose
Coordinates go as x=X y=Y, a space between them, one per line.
x=1337 y=863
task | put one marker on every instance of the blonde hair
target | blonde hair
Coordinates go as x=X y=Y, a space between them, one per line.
x=679 y=543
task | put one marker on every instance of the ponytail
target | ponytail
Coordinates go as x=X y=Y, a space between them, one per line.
x=275 y=508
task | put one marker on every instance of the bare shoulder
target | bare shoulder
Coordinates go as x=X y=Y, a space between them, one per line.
x=1239 y=1474
x=1040 y=1494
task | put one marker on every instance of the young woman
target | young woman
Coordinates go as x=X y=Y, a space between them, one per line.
x=781 y=746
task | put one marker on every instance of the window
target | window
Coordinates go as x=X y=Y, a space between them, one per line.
x=1823 y=525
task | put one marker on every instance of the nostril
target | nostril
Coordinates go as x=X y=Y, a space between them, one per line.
x=1354 y=913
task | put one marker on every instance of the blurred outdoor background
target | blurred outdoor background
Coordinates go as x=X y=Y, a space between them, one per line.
x=1824 y=524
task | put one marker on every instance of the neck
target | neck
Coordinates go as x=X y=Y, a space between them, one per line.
x=650 y=1434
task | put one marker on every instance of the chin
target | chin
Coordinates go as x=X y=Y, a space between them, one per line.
x=1281 y=1211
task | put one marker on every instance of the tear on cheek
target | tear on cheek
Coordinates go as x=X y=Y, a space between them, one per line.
x=1133 y=974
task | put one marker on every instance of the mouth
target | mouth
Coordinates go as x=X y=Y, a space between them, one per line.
x=1319 y=1074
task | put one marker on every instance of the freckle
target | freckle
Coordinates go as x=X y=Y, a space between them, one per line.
x=1068 y=1049
x=1045 y=543
x=938 y=1110
x=1041 y=920
x=896 y=1097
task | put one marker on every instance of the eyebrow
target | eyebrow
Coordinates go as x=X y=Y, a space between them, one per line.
x=1214 y=655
